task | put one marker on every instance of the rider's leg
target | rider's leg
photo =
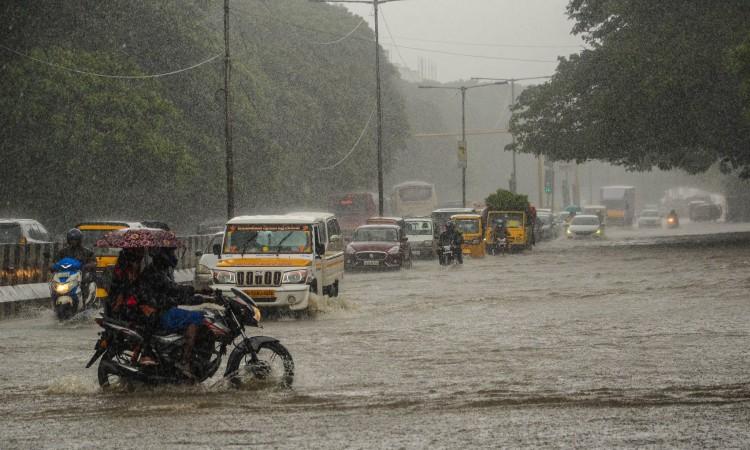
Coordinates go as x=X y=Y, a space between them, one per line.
x=187 y=350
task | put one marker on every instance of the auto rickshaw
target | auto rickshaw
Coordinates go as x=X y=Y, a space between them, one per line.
x=517 y=229
x=105 y=257
x=470 y=225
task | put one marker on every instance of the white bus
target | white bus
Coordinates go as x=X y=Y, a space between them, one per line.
x=413 y=199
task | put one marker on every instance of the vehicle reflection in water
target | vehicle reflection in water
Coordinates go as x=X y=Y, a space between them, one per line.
x=637 y=340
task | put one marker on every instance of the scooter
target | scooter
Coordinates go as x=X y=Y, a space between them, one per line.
x=65 y=289
x=500 y=246
x=446 y=255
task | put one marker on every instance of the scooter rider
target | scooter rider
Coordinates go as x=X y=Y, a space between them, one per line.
x=75 y=249
x=453 y=237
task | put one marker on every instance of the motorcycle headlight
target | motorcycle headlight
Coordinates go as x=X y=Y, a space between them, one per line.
x=567 y=230
x=599 y=231
x=294 y=277
x=62 y=288
x=203 y=269
x=224 y=277
x=256 y=314
x=394 y=250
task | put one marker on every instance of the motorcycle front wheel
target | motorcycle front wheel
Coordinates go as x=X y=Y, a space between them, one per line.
x=109 y=380
x=64 y=312
x=273 y=367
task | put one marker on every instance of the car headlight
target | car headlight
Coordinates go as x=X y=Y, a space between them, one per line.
x=294 y=277
x=567 y=230
x=427 y=243
x=203 y=269
x=350 y=250
x=394 y=250
x=224 y=277
x=599 y=231
x=62 y=288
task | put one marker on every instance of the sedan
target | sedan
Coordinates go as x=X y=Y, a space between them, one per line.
x=378 y=246
x=585 y=226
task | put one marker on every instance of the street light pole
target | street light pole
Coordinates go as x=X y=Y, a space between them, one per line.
x=463 y=90
x=379 y=106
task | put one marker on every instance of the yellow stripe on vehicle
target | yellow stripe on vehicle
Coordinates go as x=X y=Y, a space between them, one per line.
x=94 y=227
x=263 y=262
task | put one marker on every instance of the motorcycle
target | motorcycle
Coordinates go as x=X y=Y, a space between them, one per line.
x=673 y=221
x=65 y=289
x=253 y=359
x=447 y=255
x=500 y=246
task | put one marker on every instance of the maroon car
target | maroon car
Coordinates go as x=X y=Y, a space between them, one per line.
x=378 y=246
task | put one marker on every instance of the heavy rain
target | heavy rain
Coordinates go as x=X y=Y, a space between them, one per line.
x=374 y=224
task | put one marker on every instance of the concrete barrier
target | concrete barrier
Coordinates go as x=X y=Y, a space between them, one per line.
x=14 y=299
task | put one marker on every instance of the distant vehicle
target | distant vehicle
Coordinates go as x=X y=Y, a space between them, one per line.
x=518 y=231
x=599 y=211
x=620 y=204
x=105 y=257
x=207 y=262
x=585 y=226
x=441 y=216
x=378 y=246
x=419 y=232
x=549 y=228
x=413 y=199
x=65 y=289
x=379 y=220
x=649 y=218
x=23 y=231
x=211 y=227
x=701 y=211
x=155 y=224
x=352 y=209
x=470 y=226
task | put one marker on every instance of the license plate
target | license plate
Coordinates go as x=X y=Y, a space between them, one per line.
x=416 y=252
x=261 y=293
x=372 y=263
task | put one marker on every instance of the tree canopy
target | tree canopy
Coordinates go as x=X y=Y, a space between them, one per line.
x=77 y=146
x=655 y=87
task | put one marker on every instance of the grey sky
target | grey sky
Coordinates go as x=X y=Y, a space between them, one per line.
x=523 y=29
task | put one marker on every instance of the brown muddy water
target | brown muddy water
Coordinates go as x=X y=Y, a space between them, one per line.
x=637 y=340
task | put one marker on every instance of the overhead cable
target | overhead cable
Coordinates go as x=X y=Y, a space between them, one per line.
x=388 y=28
x=354 y=147
x=105 y=75
x=336 y=41
x=499 y=58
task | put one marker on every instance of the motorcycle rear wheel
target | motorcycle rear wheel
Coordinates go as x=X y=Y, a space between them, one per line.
x=274 y=367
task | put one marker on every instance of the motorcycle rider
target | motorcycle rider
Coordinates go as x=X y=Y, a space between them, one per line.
x=452 y=236
x=672 y=218
x=500 y=230
x=163 y=294
x=75 y=249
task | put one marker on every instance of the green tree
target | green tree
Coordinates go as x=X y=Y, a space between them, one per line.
x=653 y=88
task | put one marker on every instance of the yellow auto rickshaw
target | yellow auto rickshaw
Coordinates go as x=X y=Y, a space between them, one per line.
x=470 y=225
x=105 y=257
x=517 y=230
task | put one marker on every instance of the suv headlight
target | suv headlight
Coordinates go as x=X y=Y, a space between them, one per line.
x=427 y=243
x=294 y=277
x=394 y=250
x=224 y=277
x=349 y=250
x=203 y=269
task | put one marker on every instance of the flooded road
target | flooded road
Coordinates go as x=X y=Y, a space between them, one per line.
x=641 y=339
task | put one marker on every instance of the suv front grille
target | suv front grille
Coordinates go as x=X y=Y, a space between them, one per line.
x=259 y=278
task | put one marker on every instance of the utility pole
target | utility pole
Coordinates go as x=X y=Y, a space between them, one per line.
x=513 y=183
x=379 y=134
x=463 y=90
x=228 y=115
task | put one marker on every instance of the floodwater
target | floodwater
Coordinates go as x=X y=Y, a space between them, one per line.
x=637 y=340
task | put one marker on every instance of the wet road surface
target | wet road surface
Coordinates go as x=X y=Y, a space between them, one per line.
x=638 y=340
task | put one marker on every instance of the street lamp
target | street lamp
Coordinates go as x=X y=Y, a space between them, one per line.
x=463 y=90
x=379 y=139
x=513 y=185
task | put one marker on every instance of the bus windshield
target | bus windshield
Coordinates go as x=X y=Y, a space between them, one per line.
x=272 y=239
x=415 y=193
x=419 y=228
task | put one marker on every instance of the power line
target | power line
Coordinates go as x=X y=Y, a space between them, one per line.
x=336 y=41
x=499 y=58
x=388 y=28
x=354 y=147
x=477 y=44
x=104 y=75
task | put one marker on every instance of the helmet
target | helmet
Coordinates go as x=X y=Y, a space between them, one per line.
x=163 y=257
x=74 y=235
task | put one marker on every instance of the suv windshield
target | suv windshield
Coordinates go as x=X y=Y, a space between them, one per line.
x=376 y=235
x=272 y=239
x=419 y=228
x=650 y=214
x=10 y=233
